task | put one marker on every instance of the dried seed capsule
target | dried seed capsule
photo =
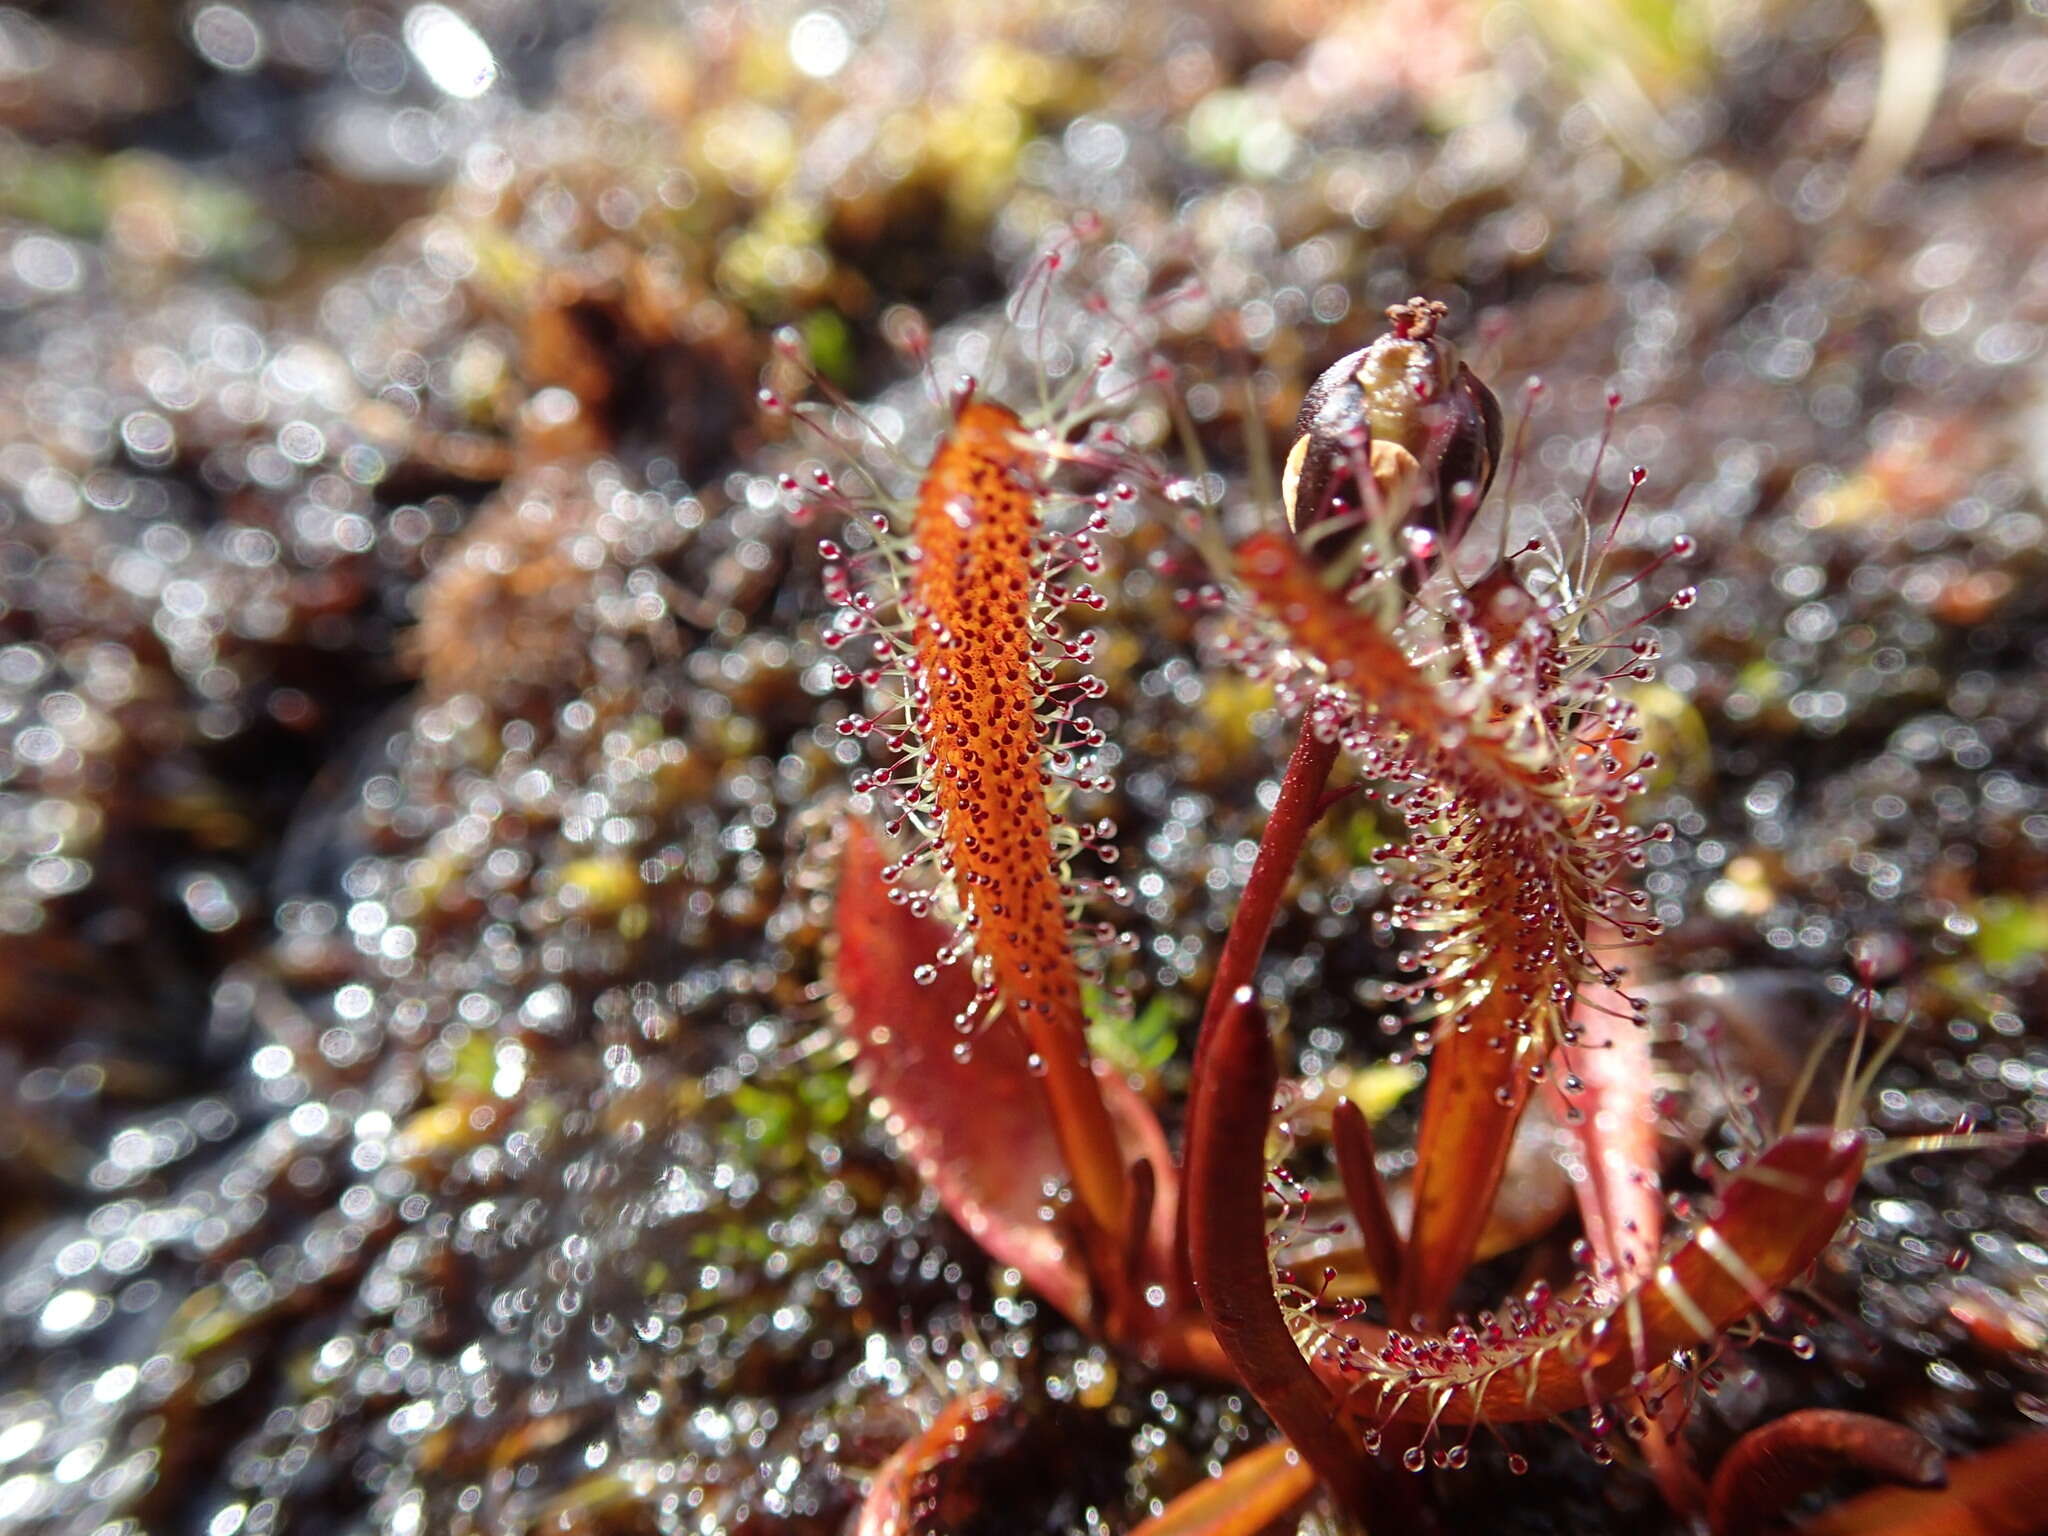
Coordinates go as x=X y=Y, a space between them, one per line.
x=1403 y=413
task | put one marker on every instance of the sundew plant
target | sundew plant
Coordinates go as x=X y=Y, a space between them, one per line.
x=793 y=769
x=1465 y=670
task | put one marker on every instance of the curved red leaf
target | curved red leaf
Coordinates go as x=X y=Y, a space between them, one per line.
x=925 y=1485
x=974 y=1124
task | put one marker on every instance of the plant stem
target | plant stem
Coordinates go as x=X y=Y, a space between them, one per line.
x=1228 y=1118
x=1226 y=1193
x=1295 y=811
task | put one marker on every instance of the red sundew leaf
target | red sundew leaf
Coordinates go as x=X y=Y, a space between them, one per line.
x=1773 y=1467
x=1358 y=1166
x=977 y=525
x=921 y=1487
x=980 y=1130
x=1475 y=1097
x=976 y=1130
x=1500 y=912
x=1998 y=1493
x=1612 y=1116
x=1776 y=1215
x=1615 y=1124
x=1251 y=1494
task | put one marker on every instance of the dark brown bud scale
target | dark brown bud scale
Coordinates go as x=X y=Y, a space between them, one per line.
x=1408 y=413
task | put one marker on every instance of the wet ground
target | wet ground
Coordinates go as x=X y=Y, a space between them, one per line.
x=419 y=750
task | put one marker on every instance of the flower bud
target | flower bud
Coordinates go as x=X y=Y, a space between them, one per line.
x=1404 y=413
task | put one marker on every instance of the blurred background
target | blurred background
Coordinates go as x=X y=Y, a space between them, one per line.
x=412 y=721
